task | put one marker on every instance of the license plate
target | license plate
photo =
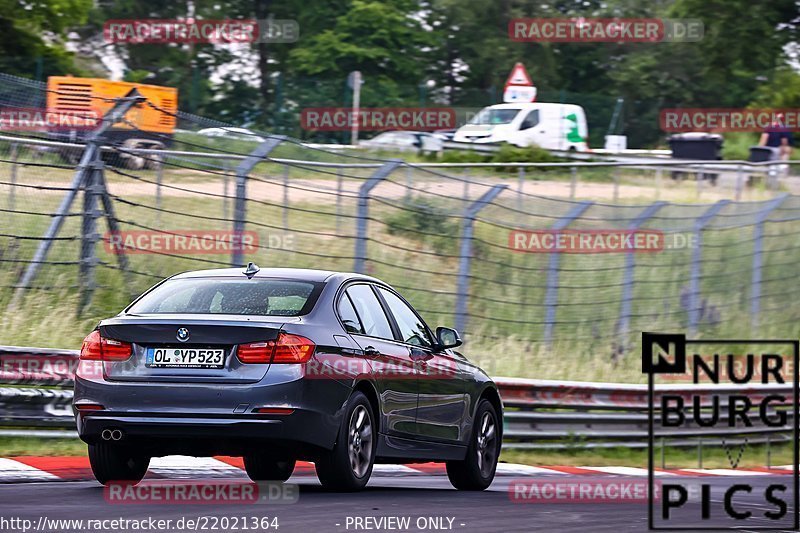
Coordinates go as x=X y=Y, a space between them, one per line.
x=185 y=358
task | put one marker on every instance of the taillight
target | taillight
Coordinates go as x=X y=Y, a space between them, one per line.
x=287 y=349
x=292 y=349
x=255 y=352
x=97 y=348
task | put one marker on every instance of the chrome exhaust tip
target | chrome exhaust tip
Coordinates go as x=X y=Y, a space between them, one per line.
x=107 y=434
x=116 y=434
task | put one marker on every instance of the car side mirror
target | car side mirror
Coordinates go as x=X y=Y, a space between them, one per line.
x=448 y=337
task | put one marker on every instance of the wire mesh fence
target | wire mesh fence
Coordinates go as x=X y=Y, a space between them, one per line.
x=446 y=237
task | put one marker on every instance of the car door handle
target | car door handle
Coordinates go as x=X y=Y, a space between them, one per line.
x=371 y=351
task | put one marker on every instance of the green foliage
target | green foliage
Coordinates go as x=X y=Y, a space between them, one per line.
x=422 y=220
x=509 y=153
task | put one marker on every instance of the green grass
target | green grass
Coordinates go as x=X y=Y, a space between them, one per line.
x=19 y=446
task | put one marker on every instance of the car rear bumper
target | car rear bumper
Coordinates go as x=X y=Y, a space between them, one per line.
x=212 y=418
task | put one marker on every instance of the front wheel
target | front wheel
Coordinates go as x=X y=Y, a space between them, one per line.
x=349 y=465
x=476 y=471
x=116 y=463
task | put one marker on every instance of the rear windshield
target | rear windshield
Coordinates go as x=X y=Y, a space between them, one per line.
x=220 y=296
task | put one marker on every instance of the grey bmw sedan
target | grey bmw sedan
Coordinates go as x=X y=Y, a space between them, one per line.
x=280 y=365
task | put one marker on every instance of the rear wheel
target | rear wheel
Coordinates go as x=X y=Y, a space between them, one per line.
x=476 y=471
x=116 y=463
x=261 y=468
x=349 y=465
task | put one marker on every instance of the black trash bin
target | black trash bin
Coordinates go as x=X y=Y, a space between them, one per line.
x=696 y=146
x=760 y=154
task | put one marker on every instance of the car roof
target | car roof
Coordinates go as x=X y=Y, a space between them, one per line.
x=300 y=274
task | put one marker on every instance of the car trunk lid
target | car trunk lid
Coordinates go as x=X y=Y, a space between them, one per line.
x=185 y=348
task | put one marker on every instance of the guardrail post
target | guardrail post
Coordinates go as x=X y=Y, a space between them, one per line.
x=551 y=294
x=627 y=279
x=697 y=254
x=465 y=256
x=83 y=169
x=379 y=175
x=758 y=250
x=240 y=202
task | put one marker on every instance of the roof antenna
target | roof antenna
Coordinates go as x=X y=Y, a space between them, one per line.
x=251 y=270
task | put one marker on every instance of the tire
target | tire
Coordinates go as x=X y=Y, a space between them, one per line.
x=260 y=467
x=476 y=471
x=348 y=466
x=116 y=463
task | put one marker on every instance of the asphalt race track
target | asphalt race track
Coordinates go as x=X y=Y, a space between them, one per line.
x=428 y=498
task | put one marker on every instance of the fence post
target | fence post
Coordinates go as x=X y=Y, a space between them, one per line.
x=573 y=182
x=659 y=181
x=91 y=152
x=159 y=182
x=339 y=191
x=240 y=202
x=225 y=189
x=630 y=264
x=12 y=191
x=697 y=254
x=551 y=294
x=465 y=256
x=359 y=264
x=92 y=189
x=758 y=250
x=285 y=197
x=739 y=182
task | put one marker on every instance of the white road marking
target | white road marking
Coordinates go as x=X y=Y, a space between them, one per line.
x=11 y=470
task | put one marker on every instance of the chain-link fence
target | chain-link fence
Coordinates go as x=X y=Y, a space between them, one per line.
x=457 y=240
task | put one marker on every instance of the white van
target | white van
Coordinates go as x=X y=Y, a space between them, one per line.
x=551 y=126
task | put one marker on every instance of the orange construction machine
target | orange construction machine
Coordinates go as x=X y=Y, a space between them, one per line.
x=149 y=124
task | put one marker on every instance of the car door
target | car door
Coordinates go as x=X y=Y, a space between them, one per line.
x=392 y=367
x=442 y=404
x=531 y=130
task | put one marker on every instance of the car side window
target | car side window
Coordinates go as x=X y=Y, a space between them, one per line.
x=531 y=120
x=373 y=319
x=352 y=324
x=412 y=330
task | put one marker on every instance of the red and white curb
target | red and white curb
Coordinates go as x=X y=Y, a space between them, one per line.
x=28 y=469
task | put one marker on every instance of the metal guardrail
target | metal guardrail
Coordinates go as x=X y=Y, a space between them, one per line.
x=35 y=392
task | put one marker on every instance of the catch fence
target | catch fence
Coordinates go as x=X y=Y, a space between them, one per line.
x=443 y=235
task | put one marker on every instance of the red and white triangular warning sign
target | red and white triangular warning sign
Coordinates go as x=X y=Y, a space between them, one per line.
x=519 y=76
